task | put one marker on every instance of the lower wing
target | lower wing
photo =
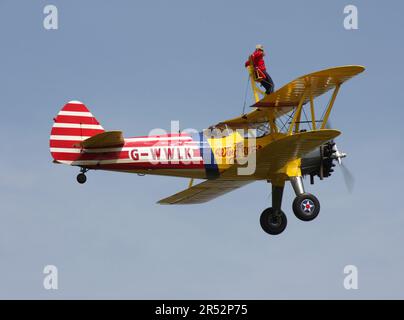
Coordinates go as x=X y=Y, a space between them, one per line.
x=268 y=160
x=204 y=192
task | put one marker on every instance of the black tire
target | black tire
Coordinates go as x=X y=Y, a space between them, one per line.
x=306 y=207
x=273 y=223
x=81 y=178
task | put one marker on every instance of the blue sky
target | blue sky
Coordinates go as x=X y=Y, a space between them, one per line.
x=137 y=65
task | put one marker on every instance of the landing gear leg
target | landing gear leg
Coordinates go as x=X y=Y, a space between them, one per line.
x=277 y=194
x=81 y=177
x=306 y=206
x=273 y=220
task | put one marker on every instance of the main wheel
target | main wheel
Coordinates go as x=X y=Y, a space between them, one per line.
x=306 y=207
x=81 y=178
x=273 y=222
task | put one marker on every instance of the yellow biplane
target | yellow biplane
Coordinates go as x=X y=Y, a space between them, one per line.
x=275 y=142
x=285 y=152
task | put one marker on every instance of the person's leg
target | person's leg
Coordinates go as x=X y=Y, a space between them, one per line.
x=268 y=84
x=271 y=83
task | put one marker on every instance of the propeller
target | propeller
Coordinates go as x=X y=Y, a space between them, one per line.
x=337 y=154
x=348 y=178
x=346 y=173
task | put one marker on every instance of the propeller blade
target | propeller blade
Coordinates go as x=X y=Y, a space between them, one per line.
x=347 y=175
x=348 y=178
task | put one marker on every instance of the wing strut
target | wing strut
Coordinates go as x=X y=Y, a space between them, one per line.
x=296 y=117
x=327 y=113
x=313 y=114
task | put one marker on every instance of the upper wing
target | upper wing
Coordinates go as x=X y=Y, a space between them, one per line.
x=315 y=84
x=288 y=97
x=104 y=140
x=205 y=191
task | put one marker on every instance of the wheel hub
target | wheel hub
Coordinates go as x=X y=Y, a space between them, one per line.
x=307 y=206
x=275 y=220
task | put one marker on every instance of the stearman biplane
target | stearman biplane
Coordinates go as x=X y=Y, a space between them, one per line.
x=271 y=137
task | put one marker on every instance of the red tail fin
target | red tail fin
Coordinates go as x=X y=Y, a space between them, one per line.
x=73 y=124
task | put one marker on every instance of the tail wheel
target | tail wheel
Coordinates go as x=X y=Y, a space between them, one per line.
x=81 y=178
x=273 y=222
x=306 y=207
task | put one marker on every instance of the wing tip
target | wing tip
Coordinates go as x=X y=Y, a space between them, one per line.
x=329 y=133
x=162 y=202
x=75 y=102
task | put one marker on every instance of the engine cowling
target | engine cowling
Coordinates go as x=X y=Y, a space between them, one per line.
x=320 y=162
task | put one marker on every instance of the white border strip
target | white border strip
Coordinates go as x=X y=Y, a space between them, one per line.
x=75 y=113
x=100 y=150
x=78 y=150
x=68 y=138
x=158 y=139
x=95 y=162
x=77 y=125
x=123 y=161
x=65 y=150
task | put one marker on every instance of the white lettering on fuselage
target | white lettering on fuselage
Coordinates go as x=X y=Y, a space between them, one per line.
x=167 y=154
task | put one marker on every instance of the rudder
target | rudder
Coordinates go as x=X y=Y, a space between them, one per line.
x=73 y=124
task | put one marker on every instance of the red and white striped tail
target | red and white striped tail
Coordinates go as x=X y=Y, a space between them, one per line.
x=73 y=124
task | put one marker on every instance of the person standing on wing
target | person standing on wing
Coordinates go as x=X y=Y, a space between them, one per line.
x=261 y=73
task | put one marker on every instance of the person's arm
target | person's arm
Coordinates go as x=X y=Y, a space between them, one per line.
x=247 y=63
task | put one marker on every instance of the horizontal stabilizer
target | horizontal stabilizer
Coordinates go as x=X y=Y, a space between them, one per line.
x=106 y=139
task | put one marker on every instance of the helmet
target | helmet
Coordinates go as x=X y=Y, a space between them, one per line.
x=259 y=47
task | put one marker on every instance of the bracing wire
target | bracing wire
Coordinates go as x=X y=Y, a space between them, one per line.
x=307 y=119
x=245 y=95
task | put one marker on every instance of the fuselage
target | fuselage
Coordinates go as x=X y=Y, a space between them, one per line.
x=181 y=155
x=207 y=154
